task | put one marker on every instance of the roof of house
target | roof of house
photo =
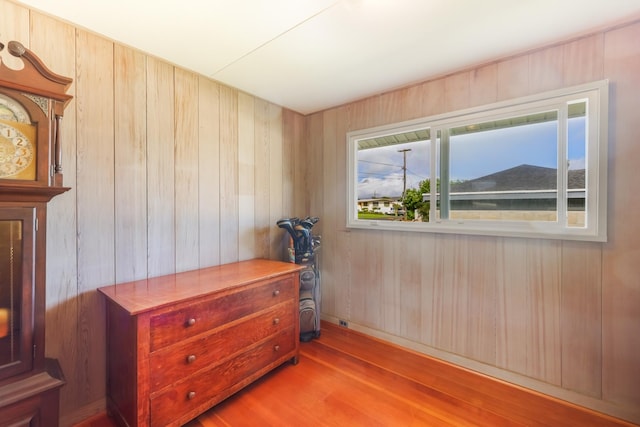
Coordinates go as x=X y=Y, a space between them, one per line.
x=523 y=177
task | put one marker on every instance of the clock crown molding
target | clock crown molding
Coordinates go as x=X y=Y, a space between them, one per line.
x=49 y=84
x=29 y=79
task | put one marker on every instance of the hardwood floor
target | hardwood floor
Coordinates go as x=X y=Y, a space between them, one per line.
x=347 y=379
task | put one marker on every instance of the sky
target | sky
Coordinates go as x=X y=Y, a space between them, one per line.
x=380 y=170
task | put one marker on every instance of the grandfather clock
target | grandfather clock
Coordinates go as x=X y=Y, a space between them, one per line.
x=32 y=101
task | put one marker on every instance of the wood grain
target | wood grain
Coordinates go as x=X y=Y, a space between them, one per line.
x=209 y=171
x=247 y=222
x=186 y=171
x=131 y=157
x=194 y=343
x=620 y=268
x=229 y=208
x=528 y=320
x=262 y=176
x=277 y=244
x=95 y=205
x=161 y=243
x=581 y=312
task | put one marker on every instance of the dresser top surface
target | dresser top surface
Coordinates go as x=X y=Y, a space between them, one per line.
x=148 y=294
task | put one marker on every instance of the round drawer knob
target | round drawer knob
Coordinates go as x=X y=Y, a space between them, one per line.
x=191 y=395
x=191 y=358
x=276 y=321
x=191 y=322
x=276 y=348
x=276 y=292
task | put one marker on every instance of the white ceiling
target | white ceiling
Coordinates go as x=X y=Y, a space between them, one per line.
x=309 y=55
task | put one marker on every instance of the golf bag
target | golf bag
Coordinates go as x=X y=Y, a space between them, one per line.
x=304 y=250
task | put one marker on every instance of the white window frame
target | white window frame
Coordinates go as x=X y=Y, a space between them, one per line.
x=596 y=94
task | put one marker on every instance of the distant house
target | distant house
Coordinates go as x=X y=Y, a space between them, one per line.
x=522 y=192
x=523 y=187
x=384 y=205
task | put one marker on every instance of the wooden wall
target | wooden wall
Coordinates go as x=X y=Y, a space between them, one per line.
x=561 y=317
x=169 y=170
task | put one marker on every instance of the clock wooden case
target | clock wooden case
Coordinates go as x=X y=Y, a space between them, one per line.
x=32 y=102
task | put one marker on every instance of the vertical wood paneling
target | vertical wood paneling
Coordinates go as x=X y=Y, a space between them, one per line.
x=342 y=254
x=55 y=43
x=443 y=293
x=292 y=134
x=546 y=69
x=513 y=77
x=340 y=140
x=408 y=289
x=209 y=171
x=161 y=256
x=300 y=172
x=277 y=244
x=186 y=170
x=362 y=114
x=528 y=315
x=456 y=89
x=131 y=158
x=328 y=226
x=428 y=245
x=582 y=317
x=314 y=166
x=389 y=284
x=621 y=278
x=412 y=101
x=14 y=25
x=483 y=85
x=229 y=209
x=95 y=205
x=391 y=107
x=583 y=60
x=246 y=177
x=262 y=183
x=433 y=97
x=475 y=300
x=367 y=284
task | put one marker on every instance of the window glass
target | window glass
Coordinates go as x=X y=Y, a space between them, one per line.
x=577 y=164
x=504 y=169
x=391 y=169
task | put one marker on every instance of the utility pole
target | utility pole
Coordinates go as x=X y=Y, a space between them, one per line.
x=404 y=177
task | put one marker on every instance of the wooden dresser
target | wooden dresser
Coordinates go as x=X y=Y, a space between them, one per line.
x=179 y=344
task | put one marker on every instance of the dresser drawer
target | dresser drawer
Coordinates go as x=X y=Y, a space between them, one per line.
x=170 y=364
x=178 y=325
x=206 y=388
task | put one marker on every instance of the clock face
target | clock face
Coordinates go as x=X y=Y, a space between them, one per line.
x=17 y=154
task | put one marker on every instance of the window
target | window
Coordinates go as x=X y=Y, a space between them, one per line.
x=529 y=167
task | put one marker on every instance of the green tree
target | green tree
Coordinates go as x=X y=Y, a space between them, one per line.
x=413 y=201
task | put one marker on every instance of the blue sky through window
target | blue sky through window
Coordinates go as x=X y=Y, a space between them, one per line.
x=472 y=155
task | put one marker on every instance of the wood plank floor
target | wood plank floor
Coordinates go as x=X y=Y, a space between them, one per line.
x=347 y=379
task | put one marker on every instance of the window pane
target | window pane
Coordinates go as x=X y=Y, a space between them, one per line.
x=576 y=153
x=388 y=168
x=504 y=169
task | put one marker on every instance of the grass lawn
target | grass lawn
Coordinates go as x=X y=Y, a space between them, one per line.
x=377 y=216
